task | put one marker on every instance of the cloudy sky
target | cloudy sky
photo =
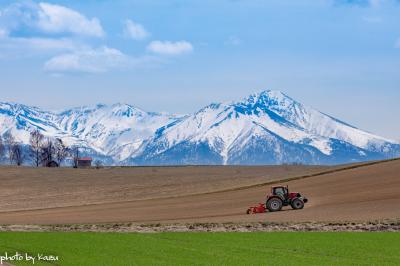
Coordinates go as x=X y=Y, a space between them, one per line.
x=341 y=57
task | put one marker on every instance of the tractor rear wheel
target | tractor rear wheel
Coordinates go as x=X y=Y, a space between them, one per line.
x=274 y=204
x=297 y=204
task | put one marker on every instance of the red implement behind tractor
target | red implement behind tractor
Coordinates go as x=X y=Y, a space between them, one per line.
x=260 y=208
x=279 y=197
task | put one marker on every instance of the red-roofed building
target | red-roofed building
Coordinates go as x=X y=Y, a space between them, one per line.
x=85 y=162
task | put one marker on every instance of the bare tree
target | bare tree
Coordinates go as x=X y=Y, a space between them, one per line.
x=14 y=149
x=1 y=148
x=61 y=151
x=9 y=142
x=48 y=151
x=18 y=154
x=75 y=156
x=36 y=146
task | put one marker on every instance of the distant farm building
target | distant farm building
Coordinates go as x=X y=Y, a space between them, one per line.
x=85 y=162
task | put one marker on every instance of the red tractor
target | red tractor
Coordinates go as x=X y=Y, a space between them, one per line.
x=279 y=197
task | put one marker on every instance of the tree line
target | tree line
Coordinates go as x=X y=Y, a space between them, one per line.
x=42 y=151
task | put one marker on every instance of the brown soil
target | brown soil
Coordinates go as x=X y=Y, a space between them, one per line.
x=28 y=188
x=162 y=195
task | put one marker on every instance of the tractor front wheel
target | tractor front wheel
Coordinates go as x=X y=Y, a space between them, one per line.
x=297 y=204
x=274 y=204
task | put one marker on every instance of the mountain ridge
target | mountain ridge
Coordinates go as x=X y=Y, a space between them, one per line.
x=267 y=127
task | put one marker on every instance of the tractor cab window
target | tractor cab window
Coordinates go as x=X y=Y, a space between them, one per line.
x=280 y=191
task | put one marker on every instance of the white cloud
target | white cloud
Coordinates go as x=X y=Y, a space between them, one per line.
x=48 y=44
x=89 y=61
x=49 y=19
x=41 y=21
x=97 y=61
x=58 y=19
x=170 y=48
x=135 y=30
x=20 y=47
x=29 y=29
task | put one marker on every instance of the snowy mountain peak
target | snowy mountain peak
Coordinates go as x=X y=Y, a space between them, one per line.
x=266 y=102
x=126 y=110
x=267 y=98
x=17 y=108
x=265 y=127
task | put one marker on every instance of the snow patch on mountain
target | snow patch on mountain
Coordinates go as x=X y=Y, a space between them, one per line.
x=265 y=127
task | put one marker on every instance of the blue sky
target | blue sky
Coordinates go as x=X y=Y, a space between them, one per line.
x=341 y=57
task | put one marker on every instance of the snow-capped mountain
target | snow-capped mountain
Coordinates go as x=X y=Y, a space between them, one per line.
x=264 y=128
x=116 y=131
x=268 y=127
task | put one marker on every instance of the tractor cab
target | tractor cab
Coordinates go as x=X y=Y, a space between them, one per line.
x=282 y=191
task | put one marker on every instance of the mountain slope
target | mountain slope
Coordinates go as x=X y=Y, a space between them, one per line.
x=21 y=119
x=264 y=128
x=268 y=127
x=117 y=130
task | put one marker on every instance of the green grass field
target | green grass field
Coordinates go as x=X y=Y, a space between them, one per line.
x=206 y=248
